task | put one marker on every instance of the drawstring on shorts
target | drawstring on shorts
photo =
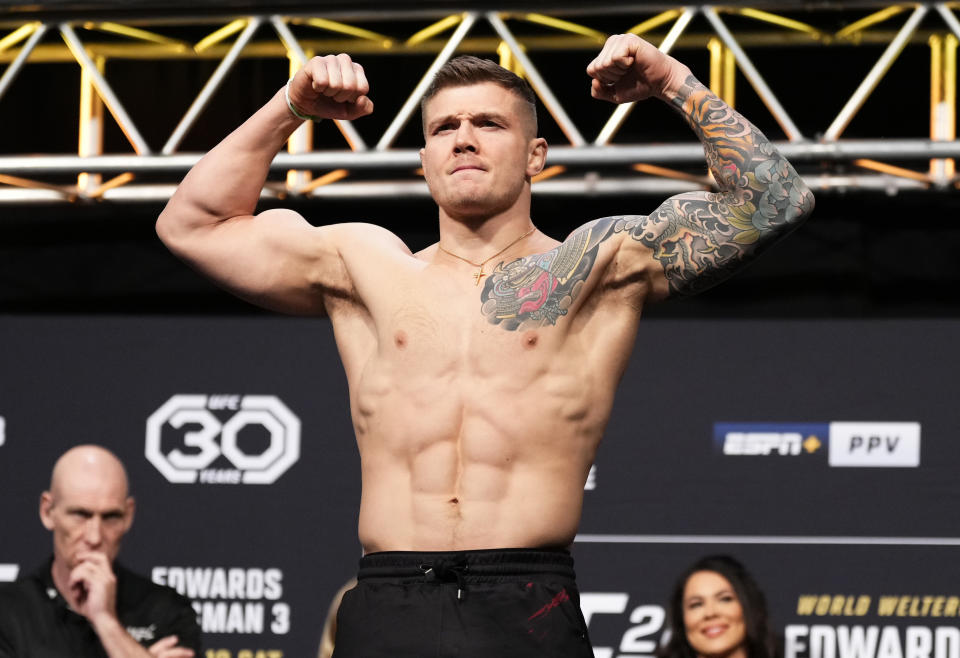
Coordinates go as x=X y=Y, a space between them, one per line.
x=447 y=571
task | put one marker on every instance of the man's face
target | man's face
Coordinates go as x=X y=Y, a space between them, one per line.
x=479 y=150
x=87 y=512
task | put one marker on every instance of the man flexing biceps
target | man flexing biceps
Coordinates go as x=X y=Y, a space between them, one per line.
x=481 y=369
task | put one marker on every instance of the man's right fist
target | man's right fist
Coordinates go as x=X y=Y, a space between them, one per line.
x=331 y=87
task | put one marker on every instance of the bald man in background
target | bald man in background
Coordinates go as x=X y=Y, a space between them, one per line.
x=81 y=602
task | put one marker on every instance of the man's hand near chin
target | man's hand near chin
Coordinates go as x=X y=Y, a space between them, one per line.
x=93 y=593
x=92 y=590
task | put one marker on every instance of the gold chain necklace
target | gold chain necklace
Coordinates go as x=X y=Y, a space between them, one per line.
x=480 y=274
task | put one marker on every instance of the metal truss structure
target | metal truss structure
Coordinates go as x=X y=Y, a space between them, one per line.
x=362 y=166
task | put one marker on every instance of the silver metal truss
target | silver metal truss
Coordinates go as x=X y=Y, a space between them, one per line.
x=602 y=165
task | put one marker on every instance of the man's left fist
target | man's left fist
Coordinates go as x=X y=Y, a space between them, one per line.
x=631 y=69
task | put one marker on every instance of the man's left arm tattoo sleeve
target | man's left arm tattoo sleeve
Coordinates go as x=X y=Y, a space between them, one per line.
x=700 y=238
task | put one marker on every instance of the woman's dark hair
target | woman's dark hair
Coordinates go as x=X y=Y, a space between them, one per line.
x=760 y=641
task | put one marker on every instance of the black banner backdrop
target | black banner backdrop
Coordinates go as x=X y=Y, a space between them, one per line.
x=821 y=453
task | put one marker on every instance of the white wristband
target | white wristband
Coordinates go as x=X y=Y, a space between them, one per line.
x=293 y=108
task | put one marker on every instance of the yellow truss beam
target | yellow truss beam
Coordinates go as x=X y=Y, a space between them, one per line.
x=782 y=21
x=26 y=183
x=326 y=179
x=723 y=71
x=507 y=60
x=943 y=100
x=892 y=170
x=137 y=33
x=665 y=172
x=565 y=26
x=433 y=30
x=90 y=130
x=655 y=22
x=18 y=35
x=217 y=36
x=852 y=30
x=56 y=53
x=343 y=28
x=116 y=181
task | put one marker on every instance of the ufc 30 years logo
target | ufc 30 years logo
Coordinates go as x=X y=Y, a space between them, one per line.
x=223 y=439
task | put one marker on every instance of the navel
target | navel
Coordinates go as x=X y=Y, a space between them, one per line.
x=400 y=340
x=530 y=339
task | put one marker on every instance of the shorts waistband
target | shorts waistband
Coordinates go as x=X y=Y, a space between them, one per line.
x=470 y=564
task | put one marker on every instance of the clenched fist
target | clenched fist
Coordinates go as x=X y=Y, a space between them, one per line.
x=631 y=69
x=331 y=87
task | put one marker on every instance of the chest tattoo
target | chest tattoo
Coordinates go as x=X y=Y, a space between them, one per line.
x=538 y=290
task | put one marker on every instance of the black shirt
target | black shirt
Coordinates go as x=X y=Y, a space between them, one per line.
x=35 y=621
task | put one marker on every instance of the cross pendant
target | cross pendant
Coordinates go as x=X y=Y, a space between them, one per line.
x=479 y=275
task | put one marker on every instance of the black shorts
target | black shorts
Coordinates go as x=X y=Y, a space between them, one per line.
x=487 y=604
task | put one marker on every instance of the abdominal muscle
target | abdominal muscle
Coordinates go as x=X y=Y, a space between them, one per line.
x=461 y=458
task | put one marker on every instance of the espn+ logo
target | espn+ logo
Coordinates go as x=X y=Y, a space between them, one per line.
x=223 y=439
x=787 y=439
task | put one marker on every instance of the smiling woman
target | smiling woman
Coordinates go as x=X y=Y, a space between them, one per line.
x=718 y=611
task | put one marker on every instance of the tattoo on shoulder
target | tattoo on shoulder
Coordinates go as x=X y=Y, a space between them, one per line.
x=538 y=290
x=698 y=238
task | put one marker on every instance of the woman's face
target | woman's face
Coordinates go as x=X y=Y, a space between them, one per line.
x=713 y=617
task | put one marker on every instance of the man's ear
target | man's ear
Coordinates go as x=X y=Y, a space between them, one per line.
x=131 y=508
x=46 y=504
x=538 y=156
